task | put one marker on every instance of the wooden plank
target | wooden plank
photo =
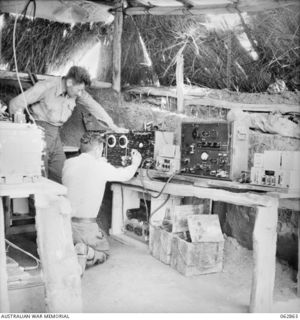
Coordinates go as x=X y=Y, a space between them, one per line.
x=292 y=204
x=179 y=82
x=187 y=3
x=21 y=229
x=283 y=108
x=224 y=184
x=184 y=190
x=205 y=228
x=298 y=275
x=4 y=302
x=24 y=190
x=198 y=96
x=11 y=76
x=181 y=214
x=61 y=271
x=264 y=254
x=215 y=8
x=117 y=47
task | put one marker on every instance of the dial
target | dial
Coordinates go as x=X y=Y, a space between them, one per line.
x=204 y=156
x=123 y=141
x=111 y=141
x=195 y=133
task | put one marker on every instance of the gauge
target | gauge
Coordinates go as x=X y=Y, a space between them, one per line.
x=111 y=141
x=204 y=156
x=123 y=141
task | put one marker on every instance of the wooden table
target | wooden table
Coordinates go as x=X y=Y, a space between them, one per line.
x=266 y=200
x=61 y=272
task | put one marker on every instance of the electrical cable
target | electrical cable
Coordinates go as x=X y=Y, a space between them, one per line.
x=17 y=71
x=158 y=208
x=38 y=262
x=24 y=12
x=143 y=185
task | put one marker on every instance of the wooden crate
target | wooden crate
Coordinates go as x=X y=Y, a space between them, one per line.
x=160 y=244
x=196 y=258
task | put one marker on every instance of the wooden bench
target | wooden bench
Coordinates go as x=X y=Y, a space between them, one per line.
x=61 y=273
x=266 y=201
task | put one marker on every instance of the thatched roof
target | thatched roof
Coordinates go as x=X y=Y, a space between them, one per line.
x=82 y=11
x=215 y=58
x=211 y=58
x=42 y=44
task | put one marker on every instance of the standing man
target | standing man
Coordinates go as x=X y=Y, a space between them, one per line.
x=51 y=103
x=85 y=176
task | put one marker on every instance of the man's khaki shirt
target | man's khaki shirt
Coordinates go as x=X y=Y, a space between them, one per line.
x=50 y=103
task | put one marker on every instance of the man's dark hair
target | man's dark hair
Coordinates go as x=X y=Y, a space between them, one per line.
x=89 y=140
x=79 y=75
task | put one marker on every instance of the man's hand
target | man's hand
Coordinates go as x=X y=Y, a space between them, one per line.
x=136 y=157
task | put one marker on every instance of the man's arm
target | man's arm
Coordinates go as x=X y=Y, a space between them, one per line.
x=97 y=111
x=32 y=95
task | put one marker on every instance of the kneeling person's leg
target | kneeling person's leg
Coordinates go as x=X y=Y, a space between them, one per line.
x=98 y=243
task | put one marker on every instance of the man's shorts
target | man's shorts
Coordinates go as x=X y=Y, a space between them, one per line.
x=88 y=232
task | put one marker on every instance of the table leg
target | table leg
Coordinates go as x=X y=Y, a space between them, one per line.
x=298 y=277
x=61 y=271
x=124 y=198
x=4 y=302
x=264 y=253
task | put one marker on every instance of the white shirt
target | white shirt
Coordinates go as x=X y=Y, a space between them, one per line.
x=86 y=177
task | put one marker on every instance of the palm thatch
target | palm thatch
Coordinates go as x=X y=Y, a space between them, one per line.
x=217 y=58
x=41 y=43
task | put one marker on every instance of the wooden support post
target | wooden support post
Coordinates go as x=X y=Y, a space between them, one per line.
x=264 y=254
x=1 y=28
x=228 y=64
x=4 y=302
x=180 y=82
x=61 y=270
x=123 y=199
x=117 y=47
x=298 y=277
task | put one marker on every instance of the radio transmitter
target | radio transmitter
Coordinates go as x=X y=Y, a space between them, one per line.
x=216 y=149
x=21 y=152
x=119 y=145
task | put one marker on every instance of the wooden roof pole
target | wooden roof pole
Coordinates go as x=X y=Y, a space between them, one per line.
x=117 y=46
x=180 y=82
x=214 y=8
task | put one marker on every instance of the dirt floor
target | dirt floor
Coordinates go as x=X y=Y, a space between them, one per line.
x=133 y=281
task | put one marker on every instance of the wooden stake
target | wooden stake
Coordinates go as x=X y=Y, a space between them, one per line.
x=228 y=63
x=179 y=83
x=264 y=254
x=117 y=47
x=4 y=302
x=217 y=7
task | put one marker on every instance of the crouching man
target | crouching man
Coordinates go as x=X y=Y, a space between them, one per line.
x=85 y=176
